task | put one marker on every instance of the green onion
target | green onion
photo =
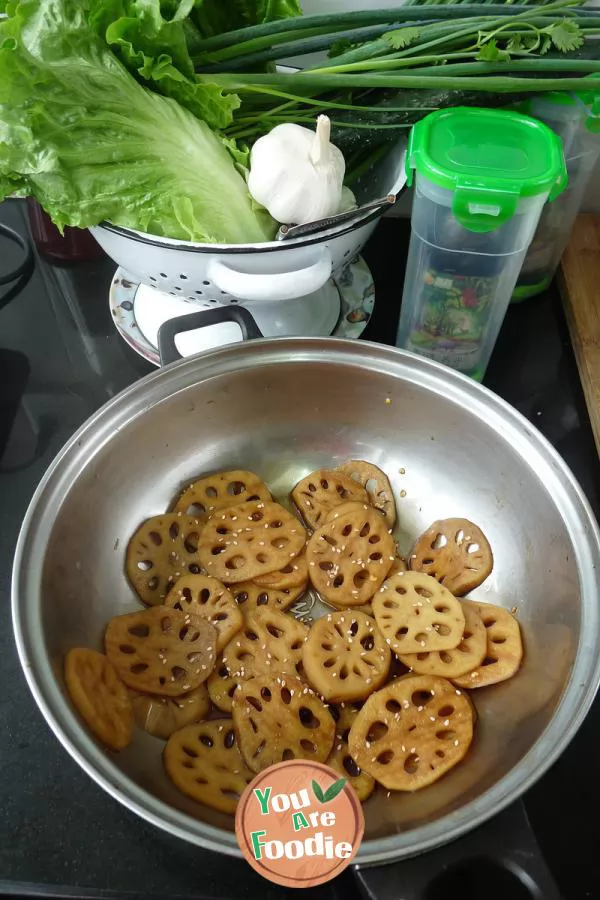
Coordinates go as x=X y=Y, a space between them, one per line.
x=315 y=83
x=522 y=65
x=332 y=21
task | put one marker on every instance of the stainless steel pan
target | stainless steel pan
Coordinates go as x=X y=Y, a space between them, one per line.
x=282 y=408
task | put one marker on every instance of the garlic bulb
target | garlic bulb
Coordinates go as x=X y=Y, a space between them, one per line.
x=297 y=175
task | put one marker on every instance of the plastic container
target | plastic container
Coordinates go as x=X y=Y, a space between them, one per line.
x=482 y=178
x=576 y=125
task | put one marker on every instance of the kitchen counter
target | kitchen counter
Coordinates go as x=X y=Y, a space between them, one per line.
x=60 y=359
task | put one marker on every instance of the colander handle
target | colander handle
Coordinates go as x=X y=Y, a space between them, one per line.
x=506 y=843
x=169 y=330
x=264 y=287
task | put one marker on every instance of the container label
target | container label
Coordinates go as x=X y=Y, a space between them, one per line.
x=453 y=311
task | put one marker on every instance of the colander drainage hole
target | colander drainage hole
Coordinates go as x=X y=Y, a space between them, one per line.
x=183 y=277
x=200 y=293
x=163 y=274
x=152 y=278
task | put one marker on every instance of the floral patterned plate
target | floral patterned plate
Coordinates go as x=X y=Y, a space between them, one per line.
x=355 y=288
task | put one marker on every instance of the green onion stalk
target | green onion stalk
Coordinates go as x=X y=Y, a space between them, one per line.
x=387 y=68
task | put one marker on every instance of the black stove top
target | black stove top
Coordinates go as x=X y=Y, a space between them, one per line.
x=60 y=834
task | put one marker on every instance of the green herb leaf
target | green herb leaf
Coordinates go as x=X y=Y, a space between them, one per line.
x=531 y=41
x=318 y=792
x=566 y=35
x=545 y=45
x=515 y=43
x=401 y=37
x=334 y=789
x=490 y=52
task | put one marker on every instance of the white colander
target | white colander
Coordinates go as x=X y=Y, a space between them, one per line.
x=273 y=271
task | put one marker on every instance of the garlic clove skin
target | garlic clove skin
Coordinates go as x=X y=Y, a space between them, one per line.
x=348 y=201
x=297 y=174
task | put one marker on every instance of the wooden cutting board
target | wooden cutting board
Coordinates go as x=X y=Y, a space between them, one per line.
x=579 y=283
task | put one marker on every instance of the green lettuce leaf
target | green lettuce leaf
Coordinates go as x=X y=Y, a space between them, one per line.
x=156 y=39
x=78 y=133
x=152 y=41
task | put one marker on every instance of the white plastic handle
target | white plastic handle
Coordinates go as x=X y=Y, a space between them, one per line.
x=276 y=286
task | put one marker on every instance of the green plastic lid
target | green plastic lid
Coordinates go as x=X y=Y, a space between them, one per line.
x=489 y=159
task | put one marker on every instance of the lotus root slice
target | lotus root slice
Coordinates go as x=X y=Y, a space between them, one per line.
x=277 y=717
x=456 y=553
x=99 y=696
x=241 y=542
x=317 y=494
x=344 y=715
x=208 y=598
x=162 y=550
x=249 y=595
x=293 y=574
x=162 y=716
x=452 y=663
x=269 y=642
x=351 y=506
x=161 y=651
x=345 y=656
x=203 y=761
x=221 y=686
x=504 y=648
x=416 y=614
x=411 y=732
x=349 y=557
x=204 y=496
x=377 y=485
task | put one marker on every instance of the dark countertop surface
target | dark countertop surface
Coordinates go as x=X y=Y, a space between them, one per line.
x=60 y=359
